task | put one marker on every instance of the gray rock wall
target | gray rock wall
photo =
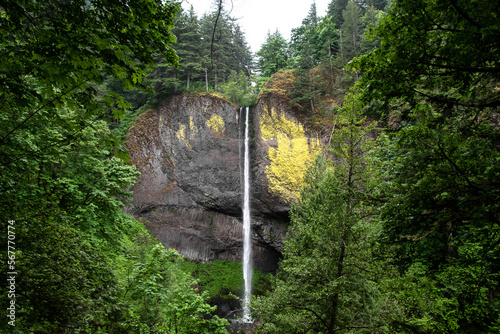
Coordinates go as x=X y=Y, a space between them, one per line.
x=189 y=150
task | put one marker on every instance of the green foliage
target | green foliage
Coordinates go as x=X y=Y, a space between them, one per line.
x=440 y=217
x=369 y=21
x=60 y=182
x=453 y=301
x=424 y=261
x=225 y=46
x=311 y=41
x=351 y=30
x=238 y=89
x=49 y=61
x=322 y=45
x=65 y=197
x=305 y=93
x=205 y=63
x=311 y=44
x=224 y=279
x=54 y=153
x=440 y=51
x=71 y=282
x=162 y=297
x=193 y=59
x=272 y=54
x=335 y=9
x=63 y=278
x=432 y=71
x=68 y=172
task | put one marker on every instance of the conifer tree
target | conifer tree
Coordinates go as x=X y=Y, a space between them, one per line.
x=351 y=30
x=335 y=9
x=272 y=54
x=225 y=45
x=187 y=31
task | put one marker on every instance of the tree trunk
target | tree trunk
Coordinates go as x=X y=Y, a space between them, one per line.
x=187 y=83
x=215 y=77
x=331 y=64
x=347 y=231
x=206 y=79
x=175 y=82
x=335 y=301
x=354 y=46
x=311 y=90
x=341 y=46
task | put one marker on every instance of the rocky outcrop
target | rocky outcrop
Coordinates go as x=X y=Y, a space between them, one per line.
x=283 y=149
x=189 y=193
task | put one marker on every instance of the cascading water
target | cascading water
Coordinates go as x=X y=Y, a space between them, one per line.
x=247 y=242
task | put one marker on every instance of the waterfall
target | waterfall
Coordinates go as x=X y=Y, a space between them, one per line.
x=247 y=241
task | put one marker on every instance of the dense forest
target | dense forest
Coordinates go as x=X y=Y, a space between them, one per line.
x=396 y=230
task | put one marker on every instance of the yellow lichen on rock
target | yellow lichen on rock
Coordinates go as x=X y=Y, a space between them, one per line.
x=289 y=160
x=193 y=129
x=182 y=136
x=272 y=124
x=216 y=125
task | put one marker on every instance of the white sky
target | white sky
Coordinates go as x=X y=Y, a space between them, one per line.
x=257 y=17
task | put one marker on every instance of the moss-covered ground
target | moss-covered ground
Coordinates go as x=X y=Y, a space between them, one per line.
x=224 y=279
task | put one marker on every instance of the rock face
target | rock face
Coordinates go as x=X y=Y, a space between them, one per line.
x=189 y=152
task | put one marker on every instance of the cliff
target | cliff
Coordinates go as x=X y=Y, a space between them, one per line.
x=189 y=152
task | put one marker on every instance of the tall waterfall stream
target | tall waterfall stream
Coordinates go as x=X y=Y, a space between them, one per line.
x=247 y=241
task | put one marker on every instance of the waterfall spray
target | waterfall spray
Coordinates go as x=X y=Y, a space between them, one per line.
x=247 y=242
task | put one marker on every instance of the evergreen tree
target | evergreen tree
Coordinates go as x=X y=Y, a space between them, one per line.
x=377 y=4
x=218 y=39
x=242 y=59
x=335 y=9
x=369 y=21
x=351 y=30
x=312 y=16
x=191 y=61
x=238 y=89
x=225 y=45
x=304 y=46
x=272 y=55
x=163 y=298
x=307 y=47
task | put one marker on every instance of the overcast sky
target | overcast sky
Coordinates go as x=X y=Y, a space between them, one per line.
x=257 y=17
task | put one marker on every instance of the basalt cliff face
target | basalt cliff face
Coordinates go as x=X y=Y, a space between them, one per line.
x=189 y=152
